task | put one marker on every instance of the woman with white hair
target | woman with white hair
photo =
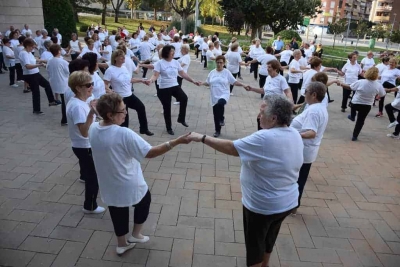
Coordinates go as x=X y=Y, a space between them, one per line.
x=44 y=38
x=46 y=55
x=184 y=60
x=234 y=62
x=145 y=52
x=74 y=47
x=271 y=160
x=210 y=57
x=295 y=74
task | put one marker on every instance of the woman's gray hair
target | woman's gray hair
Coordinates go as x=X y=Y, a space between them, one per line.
x=318 y=88
x=297 y=51
x=44 y=31
x=186 y=46
x=279 y=106
x=47 y=44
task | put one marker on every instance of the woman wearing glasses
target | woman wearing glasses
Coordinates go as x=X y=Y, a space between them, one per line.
x=80 y=116
x=219 y=80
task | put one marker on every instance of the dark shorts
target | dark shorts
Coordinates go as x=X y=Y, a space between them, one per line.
x=260 y=233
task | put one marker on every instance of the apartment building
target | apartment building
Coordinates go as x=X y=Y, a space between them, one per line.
x=385 y=11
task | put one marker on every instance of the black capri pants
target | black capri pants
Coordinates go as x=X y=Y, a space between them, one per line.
x=260 y=233
x=120 y=215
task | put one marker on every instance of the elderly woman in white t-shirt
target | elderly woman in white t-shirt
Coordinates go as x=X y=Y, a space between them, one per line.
x=271 y=161
x=255 y=52
x=210 y=57
x=234 y=61
x=184 y=60
x=365 y=91
x=350 y=71
x=167 y=69
x=368 y=62
x=285 y=57
x=121 y=79
x=388 y=78
x=311 y=125
x=117 y=153
x=295 y=74
x=46 y=55
x=74 y=47
x=218 y=80
x=58 y=71
x=80 y=116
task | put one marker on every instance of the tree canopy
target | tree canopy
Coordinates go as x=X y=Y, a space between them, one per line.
x=337 y=27
x=184 y=8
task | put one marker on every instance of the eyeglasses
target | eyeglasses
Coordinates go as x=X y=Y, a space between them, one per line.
x=88 y=85
x=220 y=62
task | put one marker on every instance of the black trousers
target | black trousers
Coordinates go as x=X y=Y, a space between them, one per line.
x=165 y=96
x=89 y=175
x=283 y=64
x=179 y=79
x=390 y=111
x=231 y=85
x=196 y=50
x=303 y=175
x=219 y=111
x=204 y=58
x=144 y=72
x=134 y=103
x=74 y=56
x=261 y=82
x=361 y=111
x=259 y=124
x=382 y=99
x=294 y=87
x=34 y=81
x=63 y=109
x=20 y=75
x=12 y=72
x=346 y=94
x=120 y=215
x=301 y=99
x=2 y=65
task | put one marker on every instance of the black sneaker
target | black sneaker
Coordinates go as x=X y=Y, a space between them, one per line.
x=217 y=134
x=38 y=113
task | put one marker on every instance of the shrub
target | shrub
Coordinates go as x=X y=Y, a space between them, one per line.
x=83 y=28
x=288 y=35
x=59 y=14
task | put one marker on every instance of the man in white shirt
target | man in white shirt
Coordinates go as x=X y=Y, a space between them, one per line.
x=312 y=47
x=26 y=30
x=58 y=35
x=307 y=52
x=102 y=35
x=7 y=34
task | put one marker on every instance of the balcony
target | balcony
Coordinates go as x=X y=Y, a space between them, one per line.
x=384 y=8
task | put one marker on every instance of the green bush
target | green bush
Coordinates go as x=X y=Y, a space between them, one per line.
x=83 y=28
x=288 y=35
x=59 y=14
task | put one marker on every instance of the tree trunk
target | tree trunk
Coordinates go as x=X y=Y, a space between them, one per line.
x=334 y=39
x=116 y=15
x=155 y=14
x=212 y=21
x=103 y=14
x=358 y=38
x=184 y=17
x=253 y=31
x=132 y=11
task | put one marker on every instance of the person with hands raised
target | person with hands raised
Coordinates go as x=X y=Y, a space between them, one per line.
x=80 y=115
x=118 y=76
x=219 y=80
x=167 y=69
x=271 y=160
x=117 y=153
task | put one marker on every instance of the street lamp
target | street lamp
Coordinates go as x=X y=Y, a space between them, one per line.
x=390 y=35
x=196 y=16
x=348 y=29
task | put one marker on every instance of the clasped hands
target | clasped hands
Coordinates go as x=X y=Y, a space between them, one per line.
x=189 y=137
x=148 y=82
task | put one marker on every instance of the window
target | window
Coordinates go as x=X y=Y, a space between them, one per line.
x=332 y=12
x=333 y=4
x=323 y=4
x=322 y=20
x=330 y=19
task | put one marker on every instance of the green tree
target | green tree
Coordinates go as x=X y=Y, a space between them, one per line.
x=361 y=30
x=211 y=8
x=234 y=20
x=337 y=27
x=59 y=14
x=156 y=5
x=104 y=4
x=184 y=8
x=133 y=5
x=77 y=3
x=379 y=31
x=395 y=37
x=116 y=7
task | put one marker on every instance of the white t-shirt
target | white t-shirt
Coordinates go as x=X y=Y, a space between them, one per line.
x=97 y=45
x=390 y=75
x=312 y=48
x=177 y=49
x=307 y=76
x=46 y=55
x=168 y=73
x=14 y=43
x=396 y=101
x=217 y=51
x=58 y=74
x=134 y=44
x=210 y=55
x=185 y=60
x=219 y=82
x=142 y=33
x=25 y=31
x=204 y=46
x=74 y=45
x=99 y=88
x=145 y=50
x=117 y=153
x=234 y=60
x=255 y=52
x=87 y=50
x=102 y=36
x=275 y=85
x=9 y=62
x=315 y=118
x=381 y=67
x=77 y=112
x=68 y=95
x=107 y=56
x=18 y=50
x=271 y=161
x=238 y=50
x=367 y=63
x=264 y=59
x=351 y=72
x=365 y=91
x=120 y=80
x=308 y=54
x=27 y=59
x=285 y=56
x=129 y=65
x=294 y=77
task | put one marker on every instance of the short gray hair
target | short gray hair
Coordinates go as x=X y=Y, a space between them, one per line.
x=318 y=88
x=297 y=51
x=186 y=46
x=44 y=31
x=279 y=106
x=47 y=44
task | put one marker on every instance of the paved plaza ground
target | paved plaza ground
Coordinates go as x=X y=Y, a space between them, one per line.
x=350 y=214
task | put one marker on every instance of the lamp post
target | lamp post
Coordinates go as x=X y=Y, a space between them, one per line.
x=196 y=16
x=391 y=31
x=348 y=29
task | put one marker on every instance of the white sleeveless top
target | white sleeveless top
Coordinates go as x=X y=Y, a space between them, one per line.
x=74 y=46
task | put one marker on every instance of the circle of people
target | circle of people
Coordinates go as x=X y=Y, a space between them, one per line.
x=95 y=110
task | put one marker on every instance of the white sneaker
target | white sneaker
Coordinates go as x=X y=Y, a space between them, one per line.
x=82 y=181
x=122 y=250
x=96 y=211
x=14 y=85
x=162 y=111
x=20 y=81
x=176 y=103
x=132 y=239
x=391 y=125
x=232 y=94
x=393 y=136
x=155 y=95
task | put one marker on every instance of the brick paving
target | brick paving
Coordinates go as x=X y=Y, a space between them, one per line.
x=350 y=214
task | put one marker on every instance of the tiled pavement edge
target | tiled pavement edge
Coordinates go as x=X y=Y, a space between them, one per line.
x=350 y=214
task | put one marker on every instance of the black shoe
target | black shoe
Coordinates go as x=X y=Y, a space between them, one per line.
x=262 y=96
x=343 y=110
x=351 y=118
x=183 y=123
x=26 y=91
x=216 y=134
x=222 y=123
x=38 y=113
x=1 y=72
x=170 y=132
x=64 y=124
x=53 y=104
x=330 y=101
x=354 y=138
x=147 y=132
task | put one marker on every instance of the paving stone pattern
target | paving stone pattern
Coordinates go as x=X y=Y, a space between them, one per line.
x=350 y=214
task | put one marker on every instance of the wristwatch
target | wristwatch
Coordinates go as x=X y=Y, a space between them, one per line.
x=203 y=139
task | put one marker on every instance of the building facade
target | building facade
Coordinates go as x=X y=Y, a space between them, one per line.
x=19 y=12
x=385 y=11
